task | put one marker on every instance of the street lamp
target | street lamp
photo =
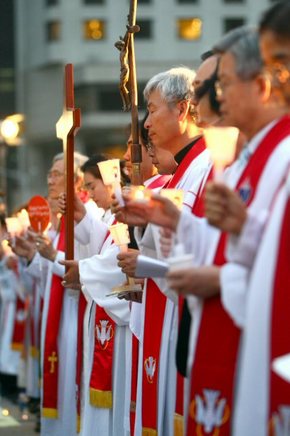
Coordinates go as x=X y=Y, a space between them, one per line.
x=11 y=130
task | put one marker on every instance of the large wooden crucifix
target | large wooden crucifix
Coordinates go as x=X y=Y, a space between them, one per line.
x=66 y=129
x=129 y=96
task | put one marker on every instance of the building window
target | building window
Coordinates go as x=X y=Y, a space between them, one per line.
x=51 y=2
x=94 y=29
x=53 y=31
x=146 y=31
x=189 y=28
x=94 y=2
x=232 y=23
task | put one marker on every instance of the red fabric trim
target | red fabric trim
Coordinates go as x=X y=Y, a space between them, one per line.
x=102 y=369
x=51 y=357
x=214 y=366
x=153 y=323
x=134 y=378
x=280 y=345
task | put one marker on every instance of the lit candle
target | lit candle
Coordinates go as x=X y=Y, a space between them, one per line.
x=221 y=143
x=174 y=195
x=111 y=175
x=140 y=194
x=23 y=219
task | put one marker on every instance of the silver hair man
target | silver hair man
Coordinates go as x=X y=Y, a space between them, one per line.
x=174 y=85
x=243 y=44
x=79 y=160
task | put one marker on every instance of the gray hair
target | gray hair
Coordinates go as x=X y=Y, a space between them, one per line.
x=79 y=160
x=174 y=85
x=243 y=44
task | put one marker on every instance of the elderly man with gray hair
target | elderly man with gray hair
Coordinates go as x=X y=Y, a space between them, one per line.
x=60 y=312
x=246 y=102
x=171 y=126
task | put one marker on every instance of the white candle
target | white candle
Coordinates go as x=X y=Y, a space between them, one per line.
x=221 y=143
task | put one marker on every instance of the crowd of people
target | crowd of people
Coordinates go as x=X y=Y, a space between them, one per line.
x=186 y=330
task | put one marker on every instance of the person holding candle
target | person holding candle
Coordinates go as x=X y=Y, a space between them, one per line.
x=59 y=321
x=105 y=358
x=255 y=285
x=170 y=126
x=242 y=91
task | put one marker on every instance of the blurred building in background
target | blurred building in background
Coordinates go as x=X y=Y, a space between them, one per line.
x=51 y=33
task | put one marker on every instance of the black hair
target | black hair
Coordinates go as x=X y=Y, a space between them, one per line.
x=208 y=87
x=207 y=54
x=277 y=19
x=90 y=166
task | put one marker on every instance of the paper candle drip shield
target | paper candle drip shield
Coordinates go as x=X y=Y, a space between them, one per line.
x=221 y=143
x=111 y=175
x=23 y=219
x=174 y=195
x=121 y=237
x=13 y=226
x=120 y=234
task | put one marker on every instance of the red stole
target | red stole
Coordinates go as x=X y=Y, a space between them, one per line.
x=79 y=361
x=280 y=345
x=134 y=378
x=34 y=325
x=101 y=381
x=153 y=323
x=51 y=356
x=19 y=325
x=214 y=365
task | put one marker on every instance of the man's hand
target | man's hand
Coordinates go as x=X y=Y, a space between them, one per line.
x=202 y=282
x=23 y=247
x=128 y=262
x=45 y=247
x=224 y=209
x=71 y=279
x=79 y=208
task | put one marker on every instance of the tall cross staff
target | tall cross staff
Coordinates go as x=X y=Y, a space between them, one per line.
x=66 y=129
x=130 y=97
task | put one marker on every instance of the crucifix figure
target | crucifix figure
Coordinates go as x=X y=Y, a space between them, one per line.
x=52 y=360
x=128 y=88
x=66 y=129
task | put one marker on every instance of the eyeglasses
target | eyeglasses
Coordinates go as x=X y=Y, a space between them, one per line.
x=54 y=175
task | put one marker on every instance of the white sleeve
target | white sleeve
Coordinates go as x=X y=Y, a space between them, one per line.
x=196 y=235
x=91 y=231
x=234 y=285
x=242 y=249
x=58 y=269
x=98 y=275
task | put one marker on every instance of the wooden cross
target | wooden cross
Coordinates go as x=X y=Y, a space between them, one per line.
x=66 y=129
x=52 y=360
